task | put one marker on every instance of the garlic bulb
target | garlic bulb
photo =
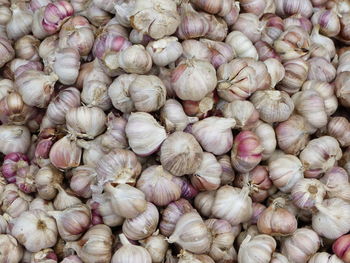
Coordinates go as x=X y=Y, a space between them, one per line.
x=66 y=65
x=193 y=24
x=341 y=88
x=156 y=18
x=72 y=222
x=85 y=122
x=321 y=69
x=95 y=93
x=14 y=138
x=265 y=51
x=171 y=215
x=207 y=177
x=306 y=193
x=232 y=204
x=220 y=8
x=130 y=253
x=35 y=230
x=339 y=128
x=204 y=201
x=320 y=155
x=336 y=182
x=95 y=245
x=267 y=136
x=246 y=151
x=64 y=200
x=195 y=49
x=326 y=91
x=243 y=112
x=144 y=133
x=45 y=180
x=322 y=40
x=158 y=186
x=39 y=203
x=188 y=257
x=276 y=221
x=156 y=246
x=217 y=27
x=164 y=51
x=118 y=166
x=222 y=238
x=285 y=172
x=20 y=22
x=241 y=45
x=27 y=48
x=256 y=249
x=341 y=249
x=328 y=21
x=143 y=225
x=296 y=73
x=221 y=53
x=65 y=153
x=193 y=79
x=118 y=91
x=83 y=177
x=293 y=134
x=332 y=212
x=278 y=258
x=272 y=105
x=11 y=251
x=59 y=105
x=181 y=154
x=137 y=37
x=102 y=212
x=115 y=136
x=324 y=257
x=214 y=134
x=46 y=255
x=274 y=26
x=300 y=246
x=173 y=116
x=299 y=6
x=148 y=93
x=249 y=25
x=6 y=87
x=77 y=33
x=191 y=234
x=36 y=88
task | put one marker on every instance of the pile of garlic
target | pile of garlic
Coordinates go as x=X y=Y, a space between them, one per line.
x=174 y=131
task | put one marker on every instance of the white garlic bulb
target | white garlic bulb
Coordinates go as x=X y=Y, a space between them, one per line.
x=193 y=79
x=164 y=51
x=67 y=65
x=256 y=249
x=233 y=204
x=285 y=172
x=11 y=250
x=14 y=138
x=45 y=180
x=143 y=225
x=320 y=155
x=267 y=137
x=85 y=122
x=35 y=230
x=214 y=134
x=332 y=219
x=130 y=253
x=207 y=177
x=63 y=200
x=181 y=154
x=191 y=233
x=118 y=91
x=301 y=245
x=173 y=116
x=95 y=93
x=144 y=133
x=324 y=257
x=156 y=246
x=158 y=185
x=308 y=192
x=241 y=45
x=148 y=93
x=20 y=22
x=125 y=200
x=243 y=112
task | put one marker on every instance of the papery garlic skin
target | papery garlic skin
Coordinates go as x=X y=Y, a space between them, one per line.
x=165 y=50
x=232 y=204
x=272 y=105
x=143 y=225
x=301 y=245
x=332 y=212
x=118 y=166
x=144 y=133
x=11 y=250
x=36 y=88
x=35 y=230
x=148 y=93
x=158 y=186
x=191 y=234
x=130 y=253
x=118 y=91
x=181 y=154
x=85 y=122
x=285 y=171
x=241 y=45
x=256 y=249
x=320 y=155
x=192 y=79
x=214 y=134
x=276 y=70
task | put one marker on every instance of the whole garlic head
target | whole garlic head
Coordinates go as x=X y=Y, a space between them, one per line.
x=256 y=249
x=11 y=250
